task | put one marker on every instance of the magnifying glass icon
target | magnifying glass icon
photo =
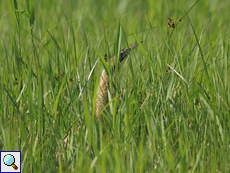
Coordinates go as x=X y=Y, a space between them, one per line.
x=9 y=160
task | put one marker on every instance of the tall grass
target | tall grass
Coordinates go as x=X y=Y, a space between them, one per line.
x=168 y=102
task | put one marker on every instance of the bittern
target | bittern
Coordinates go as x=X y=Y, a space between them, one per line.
x=102 y=94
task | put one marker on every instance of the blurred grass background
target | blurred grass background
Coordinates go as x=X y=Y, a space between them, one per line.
x=172 y=114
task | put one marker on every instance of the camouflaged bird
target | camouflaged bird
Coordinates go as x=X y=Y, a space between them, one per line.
x=102 y=94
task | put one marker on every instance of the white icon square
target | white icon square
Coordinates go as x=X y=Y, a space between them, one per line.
x=10 y=161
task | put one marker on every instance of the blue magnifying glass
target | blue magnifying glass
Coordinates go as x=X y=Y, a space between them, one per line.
x=9 y=160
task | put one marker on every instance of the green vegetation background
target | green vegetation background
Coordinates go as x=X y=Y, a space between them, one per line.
x=171 y=105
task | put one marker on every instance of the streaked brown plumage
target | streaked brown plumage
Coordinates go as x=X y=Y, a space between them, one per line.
x=102 y=94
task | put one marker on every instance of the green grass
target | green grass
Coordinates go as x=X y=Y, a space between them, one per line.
x=173 y=113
